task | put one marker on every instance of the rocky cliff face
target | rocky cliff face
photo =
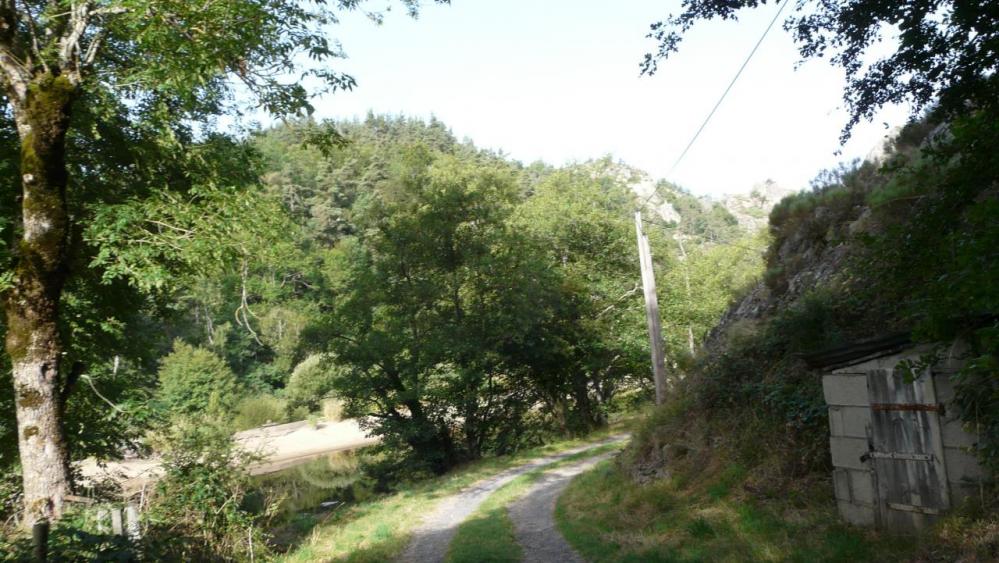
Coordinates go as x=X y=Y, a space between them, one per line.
x=644 y=187
x=738 y=214
x=752 y=210
x=811 y=244
x=811 y=241
x=745 y=213
x=802 y=266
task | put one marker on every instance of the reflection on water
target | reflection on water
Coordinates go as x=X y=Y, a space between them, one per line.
x=314 y=486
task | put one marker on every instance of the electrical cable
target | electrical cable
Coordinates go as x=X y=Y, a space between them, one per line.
x=720 y=100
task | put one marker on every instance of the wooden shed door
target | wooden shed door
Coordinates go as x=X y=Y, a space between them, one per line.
x=906 y=448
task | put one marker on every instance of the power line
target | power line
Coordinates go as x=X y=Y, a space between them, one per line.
x=720 y=100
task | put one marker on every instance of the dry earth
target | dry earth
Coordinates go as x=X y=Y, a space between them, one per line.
x=281 y=445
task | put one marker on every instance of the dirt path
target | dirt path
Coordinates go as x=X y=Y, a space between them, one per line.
x=533 y=515
x=433 y=536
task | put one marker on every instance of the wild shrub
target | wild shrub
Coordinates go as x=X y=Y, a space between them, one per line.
x=195 y=381
x=198 y=511
x=312 y=381
x=758 y=378
x=255 y=411
x=11 y=494
x=72 y=538
x=332 y=410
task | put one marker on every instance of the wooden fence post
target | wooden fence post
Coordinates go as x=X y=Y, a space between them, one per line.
x=40 y=538
x=116 y=525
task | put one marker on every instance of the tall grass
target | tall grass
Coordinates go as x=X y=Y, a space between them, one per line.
x=609 y=518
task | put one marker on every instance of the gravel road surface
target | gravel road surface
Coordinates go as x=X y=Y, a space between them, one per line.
x=433 y=536
x=533 y=515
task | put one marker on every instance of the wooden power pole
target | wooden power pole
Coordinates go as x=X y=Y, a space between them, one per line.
x=652 y=311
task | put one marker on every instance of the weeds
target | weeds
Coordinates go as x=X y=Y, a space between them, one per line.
x=707 y=517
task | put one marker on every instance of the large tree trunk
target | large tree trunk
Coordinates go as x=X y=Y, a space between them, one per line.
x=32 y=305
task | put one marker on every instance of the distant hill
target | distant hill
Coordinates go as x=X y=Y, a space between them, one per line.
x=702 y=217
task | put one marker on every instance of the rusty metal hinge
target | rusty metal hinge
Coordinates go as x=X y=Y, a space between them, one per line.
x=913 y=508
x=902 y=455
x=918 y=407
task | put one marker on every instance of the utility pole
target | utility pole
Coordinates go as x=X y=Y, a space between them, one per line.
x=652 y=311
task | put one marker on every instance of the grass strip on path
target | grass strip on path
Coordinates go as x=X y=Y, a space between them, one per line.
x=488 y=535
x=378 y=529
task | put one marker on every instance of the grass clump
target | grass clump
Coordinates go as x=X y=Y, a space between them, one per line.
x=488 y=534
x=728 y=488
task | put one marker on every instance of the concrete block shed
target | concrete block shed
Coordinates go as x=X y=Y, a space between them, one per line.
x=900 y=454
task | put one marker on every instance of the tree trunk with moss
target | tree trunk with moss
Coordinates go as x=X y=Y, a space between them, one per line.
x=128 y=50
x=32 y=304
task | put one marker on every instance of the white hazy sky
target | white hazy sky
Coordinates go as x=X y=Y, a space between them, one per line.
x=558 y=80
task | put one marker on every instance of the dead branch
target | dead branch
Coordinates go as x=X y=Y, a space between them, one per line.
x=626 y=295
x=243 y=312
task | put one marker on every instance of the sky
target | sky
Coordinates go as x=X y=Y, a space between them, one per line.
x=559 y=81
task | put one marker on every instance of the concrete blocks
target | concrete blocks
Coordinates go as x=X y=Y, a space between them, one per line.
x=954 y=435
x=862 y=487
x=846 y=452
x=962 y=466
x=856 y=514
x=852 y=422
x=960 y=492
x=943 y=386
x=845 y=390
x=841 y=483
x=854 y=486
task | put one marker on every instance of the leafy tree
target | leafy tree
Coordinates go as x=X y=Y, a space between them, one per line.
x=439 y=307
x=195 y=381
x=319 y=183
x=313 y=380
x=945 y=52
x=581 y=216
x=699 y=288
x=72 y=69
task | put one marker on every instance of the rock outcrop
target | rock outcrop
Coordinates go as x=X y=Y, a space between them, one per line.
x=809 y=255
x=752 y=210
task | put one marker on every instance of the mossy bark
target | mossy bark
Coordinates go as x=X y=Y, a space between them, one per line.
x=32 y=305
